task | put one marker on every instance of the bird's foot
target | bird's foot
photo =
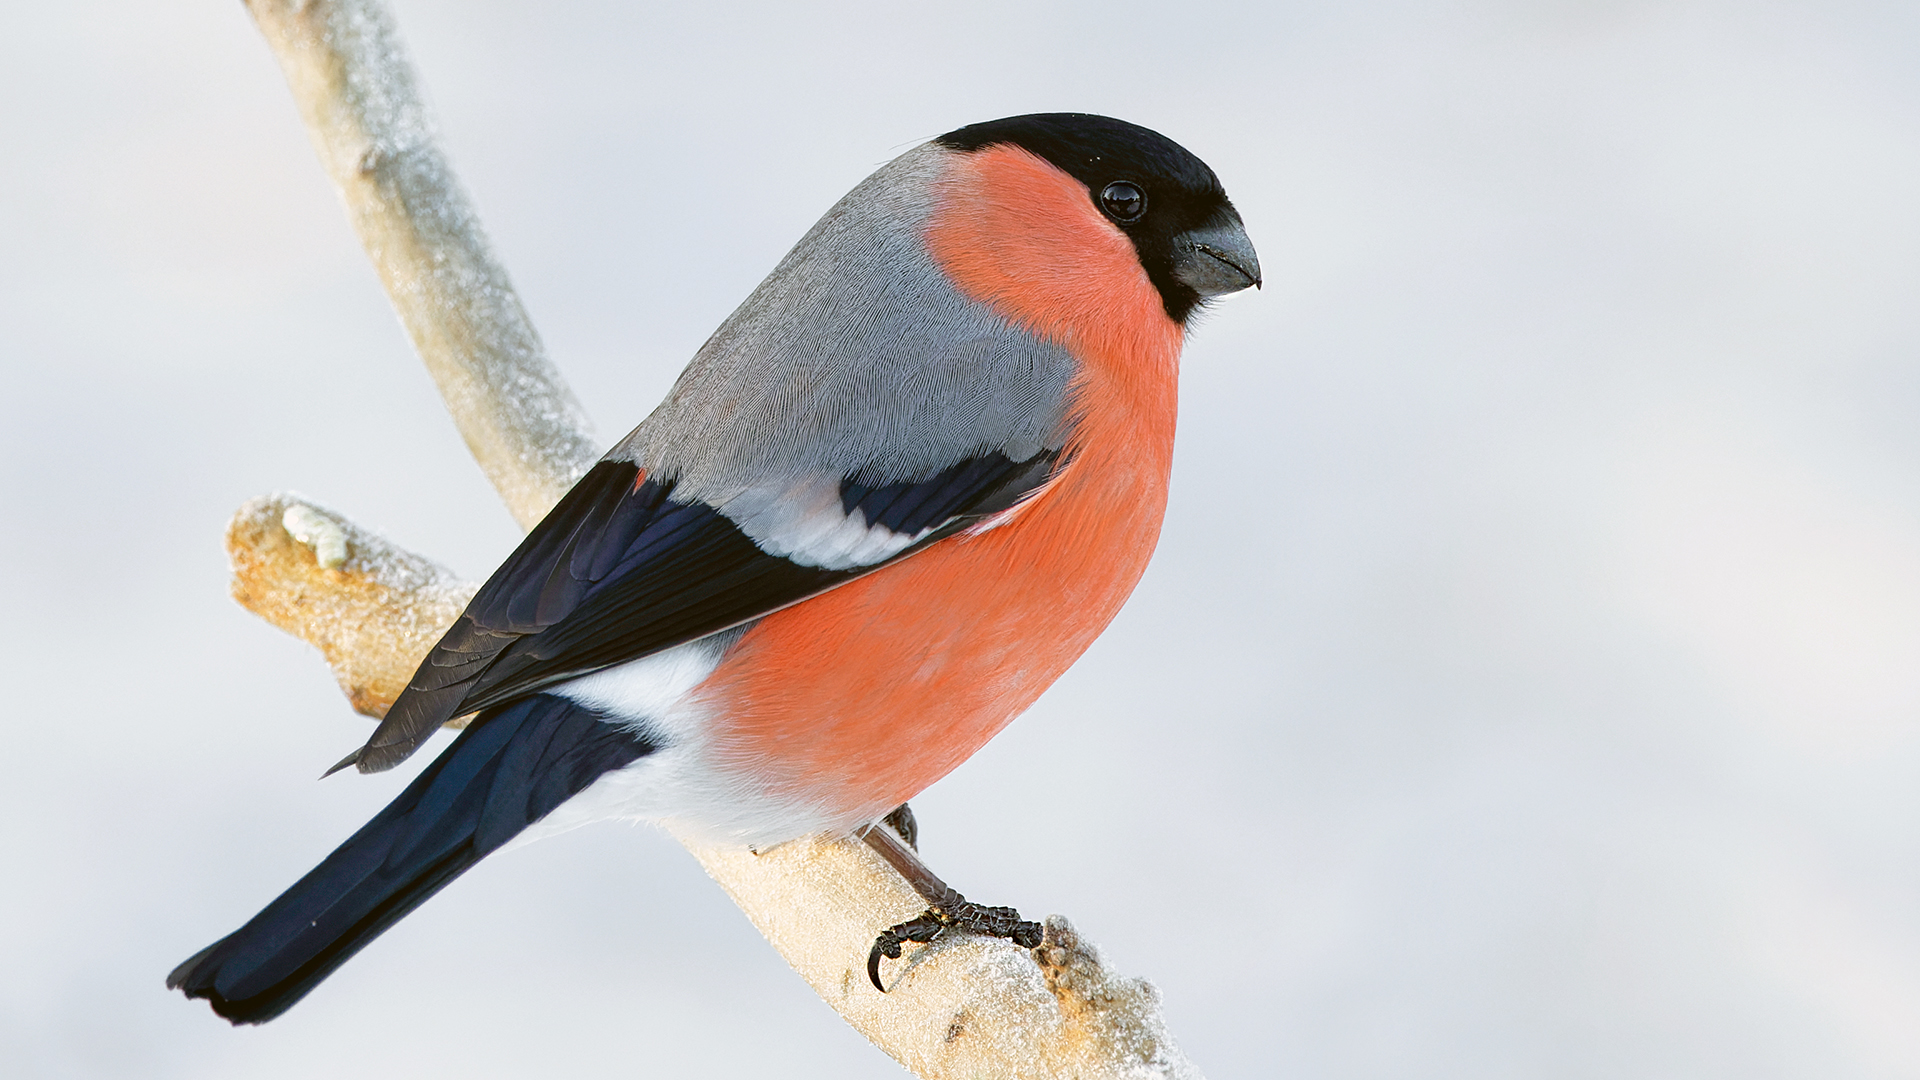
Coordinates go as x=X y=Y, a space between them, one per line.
x=951 y=912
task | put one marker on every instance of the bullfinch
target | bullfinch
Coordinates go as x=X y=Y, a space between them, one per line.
x=893 y=497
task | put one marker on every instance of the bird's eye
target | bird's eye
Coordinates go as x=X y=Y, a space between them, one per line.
x=1124 y=201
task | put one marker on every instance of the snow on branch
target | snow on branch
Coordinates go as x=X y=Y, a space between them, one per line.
x=969 y=1007
x=373 y=614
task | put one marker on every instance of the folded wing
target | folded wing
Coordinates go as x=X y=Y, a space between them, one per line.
x=621 y=570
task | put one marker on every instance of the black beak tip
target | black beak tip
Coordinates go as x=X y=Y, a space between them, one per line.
x=1219 y=265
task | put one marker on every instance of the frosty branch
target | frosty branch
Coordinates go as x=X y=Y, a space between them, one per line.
x=969 y=1007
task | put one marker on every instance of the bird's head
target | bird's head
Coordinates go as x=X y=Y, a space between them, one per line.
x=1040 y=208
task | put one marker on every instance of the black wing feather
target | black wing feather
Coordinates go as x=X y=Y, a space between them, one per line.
x=619 y=570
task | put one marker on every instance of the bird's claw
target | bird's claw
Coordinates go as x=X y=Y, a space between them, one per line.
x=953 y=912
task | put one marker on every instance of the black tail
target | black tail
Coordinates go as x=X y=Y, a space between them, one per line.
x=507 y=770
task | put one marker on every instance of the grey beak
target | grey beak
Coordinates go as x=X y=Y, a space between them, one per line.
x=1216 y=259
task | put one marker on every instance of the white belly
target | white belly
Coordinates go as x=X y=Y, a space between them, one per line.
x=680 y=781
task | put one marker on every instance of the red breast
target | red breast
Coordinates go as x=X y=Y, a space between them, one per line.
x=860 y=698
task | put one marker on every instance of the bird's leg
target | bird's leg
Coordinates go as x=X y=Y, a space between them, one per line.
x=901 y=821
x=946 y=908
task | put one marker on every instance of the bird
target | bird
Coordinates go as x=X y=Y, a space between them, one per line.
x=898 y=492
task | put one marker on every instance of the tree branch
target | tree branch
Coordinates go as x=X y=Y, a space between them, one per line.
x=961 y=1008
x=357 y=94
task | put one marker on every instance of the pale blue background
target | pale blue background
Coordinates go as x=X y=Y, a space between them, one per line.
x=1528 y=683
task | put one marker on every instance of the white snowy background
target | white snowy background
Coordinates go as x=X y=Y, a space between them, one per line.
x=1527 y=684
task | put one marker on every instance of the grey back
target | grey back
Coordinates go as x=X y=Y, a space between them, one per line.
x=855 y=357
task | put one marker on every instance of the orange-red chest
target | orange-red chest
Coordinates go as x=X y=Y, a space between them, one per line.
x=858 y=699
